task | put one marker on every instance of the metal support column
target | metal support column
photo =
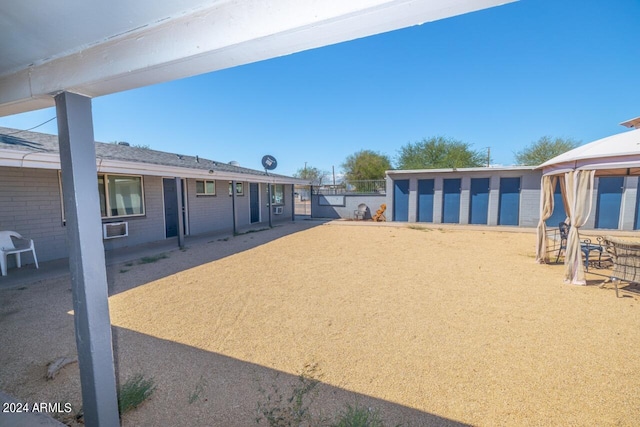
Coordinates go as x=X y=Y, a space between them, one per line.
x=293 y=202
x=180 y=212
x=233 y=207
x=86 y=260
x=269 y=197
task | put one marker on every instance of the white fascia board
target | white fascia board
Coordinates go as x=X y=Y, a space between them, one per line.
x=459 y=170
x=29 y=159
x=220 y=36
x=118 y=166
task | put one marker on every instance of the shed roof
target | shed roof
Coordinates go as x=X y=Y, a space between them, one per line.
x=460 y=170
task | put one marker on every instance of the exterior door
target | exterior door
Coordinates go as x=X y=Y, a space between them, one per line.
x=451 y=201
x=479 y=201
x=401 y=200
x=425 y=200
x=609 y=200
x=254 y=201
x=509 y=210
x=170 y=207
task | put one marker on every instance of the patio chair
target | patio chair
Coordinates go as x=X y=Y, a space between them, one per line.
x=585 y=245
x=10 y=246
x=626 y=260
x=361 y=212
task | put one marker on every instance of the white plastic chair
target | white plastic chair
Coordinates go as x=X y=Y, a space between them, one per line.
x=8 y=247
x=361 y=212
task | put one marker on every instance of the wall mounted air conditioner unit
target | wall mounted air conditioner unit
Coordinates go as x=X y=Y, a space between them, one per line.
x=115 y=229
x=277 y=210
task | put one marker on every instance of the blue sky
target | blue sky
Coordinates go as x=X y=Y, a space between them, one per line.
x=498 y=78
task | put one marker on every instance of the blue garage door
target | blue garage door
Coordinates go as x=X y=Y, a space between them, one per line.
x=425 y=200
x=479 y=201
x=401 y=200
x=451 y=201
x=609 y=200
x=559 y=214
x=509 y=210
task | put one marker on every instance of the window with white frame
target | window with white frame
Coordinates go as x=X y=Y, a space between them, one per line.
x=277 y=195
x=120 y=195
x=239 y=188
x=205 y=188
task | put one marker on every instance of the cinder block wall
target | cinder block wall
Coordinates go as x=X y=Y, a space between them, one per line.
x=319 y=209
x=147 y=228
x=31 y=204
x=530 y=198
x=209 y=213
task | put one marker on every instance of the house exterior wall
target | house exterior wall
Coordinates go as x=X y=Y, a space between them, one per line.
x=30 y=204
x=209 y=213
x=530 y=199
x=147 y=228
x=287 y=207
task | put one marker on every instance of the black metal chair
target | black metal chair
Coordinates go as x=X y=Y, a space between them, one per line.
x=585 y=245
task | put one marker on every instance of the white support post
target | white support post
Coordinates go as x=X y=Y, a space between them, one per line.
x=86 y=260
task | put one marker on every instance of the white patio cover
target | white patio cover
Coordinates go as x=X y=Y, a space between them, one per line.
x=614 y=155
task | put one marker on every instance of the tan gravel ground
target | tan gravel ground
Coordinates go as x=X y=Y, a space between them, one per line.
x=431 y=327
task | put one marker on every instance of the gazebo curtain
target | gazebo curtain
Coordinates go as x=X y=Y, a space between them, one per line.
x=579 y=196
x=548 y=185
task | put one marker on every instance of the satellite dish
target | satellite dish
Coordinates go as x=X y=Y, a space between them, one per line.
x=269 y=162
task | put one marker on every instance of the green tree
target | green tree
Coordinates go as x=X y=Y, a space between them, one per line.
x=439 y=153
x=315 y=175
x=365 y=164
x=544 y=149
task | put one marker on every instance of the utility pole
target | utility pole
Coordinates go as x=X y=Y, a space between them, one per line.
x=333 y=169
x=488 y=157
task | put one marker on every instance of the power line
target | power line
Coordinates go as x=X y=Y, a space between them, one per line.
x=37 y=126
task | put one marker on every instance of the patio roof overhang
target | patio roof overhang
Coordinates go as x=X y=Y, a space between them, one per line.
x=120 y=45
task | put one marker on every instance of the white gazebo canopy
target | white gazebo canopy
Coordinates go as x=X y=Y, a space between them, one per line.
x=616 y=155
